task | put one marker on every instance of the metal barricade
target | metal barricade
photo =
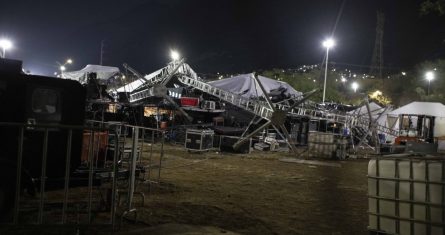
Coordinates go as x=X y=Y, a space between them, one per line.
x=70 y=191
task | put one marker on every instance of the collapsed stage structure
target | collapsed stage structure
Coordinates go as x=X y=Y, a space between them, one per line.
x=258 y=104
x=100 y=141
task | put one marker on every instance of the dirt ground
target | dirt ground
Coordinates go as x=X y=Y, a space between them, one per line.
x=254 y=194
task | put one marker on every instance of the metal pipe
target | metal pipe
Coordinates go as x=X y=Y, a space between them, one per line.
x=90 y=174
x=134 y=155
x=160 y=158
x=114 y=182
x=396 y=195
x=443 y=191
x=427 y=197
x=141 y=149
x=411 y=192
x=43 y=176
x=151 y=155
x=18 y=176
x=245 y=139
x=377 y=189
x=181 y=110
x=302 y=100
x=271 y=106
x=67 y=174
x=97 y=149
x=288 y=139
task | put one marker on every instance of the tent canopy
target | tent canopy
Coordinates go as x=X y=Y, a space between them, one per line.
x=246 y=86
x=103 y=73
x=421 y=108
x=375 y=109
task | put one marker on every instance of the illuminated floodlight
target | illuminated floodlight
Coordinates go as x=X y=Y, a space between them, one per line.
x=174 y=55
x=5 y=44
x=328 y=43
x=429 y=76
x=62 y=68
x=354 y=86
x=69 y=61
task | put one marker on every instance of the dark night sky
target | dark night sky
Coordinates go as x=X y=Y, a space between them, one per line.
x=216 y=36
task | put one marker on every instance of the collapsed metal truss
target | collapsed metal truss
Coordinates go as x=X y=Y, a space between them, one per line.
x=274 y=113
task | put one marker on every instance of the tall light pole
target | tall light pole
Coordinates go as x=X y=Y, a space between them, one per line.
x=62 y=67
x=328 y=44
x=5 y=44
x=354 y=86
x=429 y=76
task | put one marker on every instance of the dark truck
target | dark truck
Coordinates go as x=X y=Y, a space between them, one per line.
x=31 y=109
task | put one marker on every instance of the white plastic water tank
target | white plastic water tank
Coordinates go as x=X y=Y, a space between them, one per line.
x=406 y=195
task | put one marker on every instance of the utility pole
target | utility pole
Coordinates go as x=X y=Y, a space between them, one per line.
x=101 y=52
x=377 y=55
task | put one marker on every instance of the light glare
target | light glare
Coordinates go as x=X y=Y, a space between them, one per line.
x=5 y=44
x=328 y=43
x=354 y=86
x=429 y=75
x=174 y=55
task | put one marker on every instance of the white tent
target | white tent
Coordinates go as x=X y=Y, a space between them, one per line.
x=375 y=109
x=434 y=109
x=103 y=73
x=421 y=108
x=246 y=85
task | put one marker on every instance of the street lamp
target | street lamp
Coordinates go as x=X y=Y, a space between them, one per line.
x=328 y=44
x=429 y=76
x=62 y=67
x=174 y=55
x=5 y=44
x=354 y=86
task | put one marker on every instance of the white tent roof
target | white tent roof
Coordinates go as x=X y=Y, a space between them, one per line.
x=245 y=85
x=103 y=73
x=375 y=109
x=421 y=108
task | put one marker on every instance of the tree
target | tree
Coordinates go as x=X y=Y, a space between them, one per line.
x=428 y=6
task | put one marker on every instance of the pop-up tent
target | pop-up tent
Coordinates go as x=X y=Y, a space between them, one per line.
x=434 y=109
x=421 y=108
x=104 y=73
x=246 y=86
